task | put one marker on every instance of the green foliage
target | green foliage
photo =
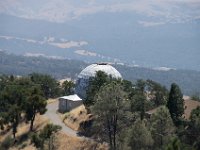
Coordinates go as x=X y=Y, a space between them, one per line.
x=49 y=85
x=175 y=103
x=162 y=127
x=34 y=104
x=95 y=83
x=147 y=95
x=176 y=144
x=157 y=93
x=194 y=128
x=37 y=140
x=11 y=99
x=48 y=130
x=139 y=104
x=109 y=110
x=140 y=136
x=19 y=96
x=188 y=80
x=45 y=134
x=7 y=143
x=67 y=87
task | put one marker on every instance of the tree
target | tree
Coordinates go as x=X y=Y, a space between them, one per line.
x=108 y=111
x=11 y=101
x=49 y=85
x=67 y=87
x=34 y=104
x=138 y=104
x=175 y=104
x=194 y=128
x=95 y=83
x=162 y=127
x=176 y=144
x=45 y=134
x=139 y=136
x=157 y=93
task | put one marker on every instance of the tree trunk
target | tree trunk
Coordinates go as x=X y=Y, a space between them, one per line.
x=14 y=132
x=32 y=120
x=109 y=133
x=14 y=136
x=114 y=132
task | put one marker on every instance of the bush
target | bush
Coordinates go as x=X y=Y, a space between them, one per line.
x=8 y=142
x=45 y=134
x=36 y=140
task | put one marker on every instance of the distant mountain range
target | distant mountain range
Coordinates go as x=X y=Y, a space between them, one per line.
x=188 y=80
x=111 y=37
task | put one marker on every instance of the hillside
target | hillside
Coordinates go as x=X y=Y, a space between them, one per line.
x=188 y=80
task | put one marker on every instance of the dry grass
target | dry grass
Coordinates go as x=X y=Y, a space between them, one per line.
x=23 y=133
x=66 y=142
x=62 y=142
x=73 y=118
x=189 y=106
x=52 y=100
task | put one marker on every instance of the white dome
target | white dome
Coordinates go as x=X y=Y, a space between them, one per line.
x=90 y=71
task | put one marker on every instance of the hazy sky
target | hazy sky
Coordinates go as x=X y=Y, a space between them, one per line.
x=159 y=11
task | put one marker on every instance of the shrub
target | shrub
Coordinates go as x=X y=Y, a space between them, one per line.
x=8 y=142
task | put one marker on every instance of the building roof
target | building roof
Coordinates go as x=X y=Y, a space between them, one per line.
x=90 y=71
x=72 y=98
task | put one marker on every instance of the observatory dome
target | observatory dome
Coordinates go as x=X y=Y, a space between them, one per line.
x=90 y=71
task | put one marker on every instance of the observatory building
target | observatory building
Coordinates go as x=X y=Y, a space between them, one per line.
x=90 y=71
x=66 y=103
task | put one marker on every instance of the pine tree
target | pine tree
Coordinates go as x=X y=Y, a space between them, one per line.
x=162 y=127
x=95 y=83
x=175 y=104
x=109 y=109
x=34 y=104
x=140 y=136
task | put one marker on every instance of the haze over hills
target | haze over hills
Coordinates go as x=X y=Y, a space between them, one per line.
x=164 y=34
x=188 y=80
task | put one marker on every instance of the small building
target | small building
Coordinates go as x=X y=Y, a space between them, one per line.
x=67 y=103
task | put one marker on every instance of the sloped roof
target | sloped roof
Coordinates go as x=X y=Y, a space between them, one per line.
x=74 y=97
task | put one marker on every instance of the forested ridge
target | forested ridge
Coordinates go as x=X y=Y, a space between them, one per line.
x=188 y=80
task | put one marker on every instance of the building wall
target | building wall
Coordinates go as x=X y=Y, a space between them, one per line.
x=67 y=105
x=73 y=104
x=62 y=105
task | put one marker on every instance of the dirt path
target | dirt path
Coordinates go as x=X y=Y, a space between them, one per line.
x=55 y=119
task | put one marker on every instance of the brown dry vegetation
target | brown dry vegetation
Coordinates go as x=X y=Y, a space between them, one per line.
x=51 y=100
x=66 y=142
x=189 y=106
x=62 y=142
x=75 y=117
x=23 y=133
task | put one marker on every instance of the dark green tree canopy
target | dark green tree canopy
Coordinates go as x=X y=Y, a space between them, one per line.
x=140 y=136
x=49 y=85
x=68 y=87
x=35 y=103
x=109 y=109
x=95 y=83
x=175 y=103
